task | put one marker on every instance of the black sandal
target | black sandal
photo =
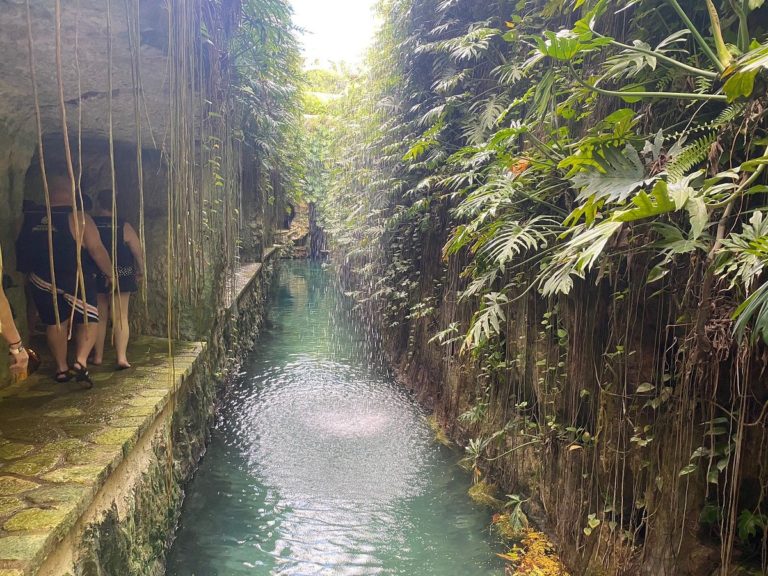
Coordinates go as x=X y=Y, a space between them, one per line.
x=63 y=377
x=82 y=376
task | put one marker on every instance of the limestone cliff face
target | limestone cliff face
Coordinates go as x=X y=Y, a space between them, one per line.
x=573 y=415
x=85 y=57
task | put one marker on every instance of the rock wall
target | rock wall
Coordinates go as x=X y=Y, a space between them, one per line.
x=582 y=408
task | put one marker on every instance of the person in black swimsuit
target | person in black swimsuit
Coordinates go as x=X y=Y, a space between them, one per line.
x=129 y=268
x=73 y=298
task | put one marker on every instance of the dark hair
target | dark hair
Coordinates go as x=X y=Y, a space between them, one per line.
x=104 y=199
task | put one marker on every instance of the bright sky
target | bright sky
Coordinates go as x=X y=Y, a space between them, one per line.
x=336 y=30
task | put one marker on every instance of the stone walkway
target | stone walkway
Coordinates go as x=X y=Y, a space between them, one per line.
x=59 y=444
x=244 y=276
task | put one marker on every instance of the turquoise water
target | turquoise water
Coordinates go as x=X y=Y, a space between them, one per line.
x=321 y=465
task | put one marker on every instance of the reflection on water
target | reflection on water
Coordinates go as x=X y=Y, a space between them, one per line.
x=320 y=464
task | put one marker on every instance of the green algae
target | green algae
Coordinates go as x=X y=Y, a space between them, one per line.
x=131 y=422
x=10 y=485
x=484 y=493
x=87 y=474
x=35 y=394
x=143 y=401
x=37 y=519
x=80 y=429
x=12 y=450
x=64 y=447
x=34 y=465
x=439 y=434
x=92 y=454
x=9 y=505
x=65 y=413
x=57 y=495
x=23 y=547
x=114 y=436
x=27 y=431
x=137 y=411
x=101 y=377
x=156 y=395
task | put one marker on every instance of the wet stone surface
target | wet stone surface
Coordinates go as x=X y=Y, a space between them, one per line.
x=58 y=444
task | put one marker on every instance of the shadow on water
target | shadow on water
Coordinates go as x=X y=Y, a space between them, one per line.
x=321 y=464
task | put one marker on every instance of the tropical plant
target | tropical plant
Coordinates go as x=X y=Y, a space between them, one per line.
x=609 y=156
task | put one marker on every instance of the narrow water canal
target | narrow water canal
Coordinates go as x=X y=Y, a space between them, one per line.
x=321 y=464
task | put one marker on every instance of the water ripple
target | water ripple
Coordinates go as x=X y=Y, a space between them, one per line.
x=321 y=465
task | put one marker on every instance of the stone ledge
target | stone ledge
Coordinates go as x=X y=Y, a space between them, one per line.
x=59 y=446
x=246 y=275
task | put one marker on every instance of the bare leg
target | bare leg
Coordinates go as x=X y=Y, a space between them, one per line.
x=122 y=330
x=57 y=342
x=101 y=332
x=86 y=337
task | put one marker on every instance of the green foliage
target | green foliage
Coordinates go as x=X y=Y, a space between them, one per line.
x=267 y=64
x=743 y=259
x=517 y=521
x=741 y=75
x=618 y=174
x=326 y=81
x=547 y=145
x=751 y=525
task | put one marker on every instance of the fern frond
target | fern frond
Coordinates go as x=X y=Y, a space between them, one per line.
x=730 y=114
x=690 y=156
x=703 y=85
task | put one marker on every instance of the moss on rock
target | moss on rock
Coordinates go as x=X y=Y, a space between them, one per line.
x=9 y=505
x=11 y=450
x=57 y=495
x=10 y=485
x=22 y=547
x=439 y=434
x=36 y=519
x=115 y=436
x=34 y=465
x=76 y=474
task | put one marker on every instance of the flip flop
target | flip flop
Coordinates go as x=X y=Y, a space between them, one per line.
x=82 y=376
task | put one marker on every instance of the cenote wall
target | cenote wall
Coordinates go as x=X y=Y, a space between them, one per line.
x=594 y=407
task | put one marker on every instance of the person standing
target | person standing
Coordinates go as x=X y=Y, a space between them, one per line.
x=129 y=269
x=67 y=303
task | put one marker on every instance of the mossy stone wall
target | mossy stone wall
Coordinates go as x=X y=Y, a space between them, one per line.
x=132 y=535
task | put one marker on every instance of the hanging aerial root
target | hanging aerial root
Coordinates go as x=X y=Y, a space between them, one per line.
x=41 y=154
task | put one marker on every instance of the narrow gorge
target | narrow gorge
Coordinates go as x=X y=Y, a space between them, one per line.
x=487 y=297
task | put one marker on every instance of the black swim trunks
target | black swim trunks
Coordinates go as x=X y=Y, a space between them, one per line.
x=69 y=304
x=126 y=281
x=125 y=266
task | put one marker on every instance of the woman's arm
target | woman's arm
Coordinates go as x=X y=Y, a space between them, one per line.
x=19 y=356
x=7 y=325
x=134 y=245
